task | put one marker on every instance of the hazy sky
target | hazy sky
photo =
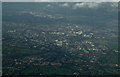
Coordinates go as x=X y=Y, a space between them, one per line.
x=60 y=0
x=17 y=0
x=81 y=0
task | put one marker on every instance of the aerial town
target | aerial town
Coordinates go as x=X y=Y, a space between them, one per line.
x=66 y=48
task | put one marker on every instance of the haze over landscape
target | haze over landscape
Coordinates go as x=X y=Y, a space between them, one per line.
x=74 y=38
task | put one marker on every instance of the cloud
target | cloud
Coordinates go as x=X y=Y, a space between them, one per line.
x=43 y=0
x=48 y=5
x=88 y=5
x=64 y=5
x=93 y=5
x=114 y=4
